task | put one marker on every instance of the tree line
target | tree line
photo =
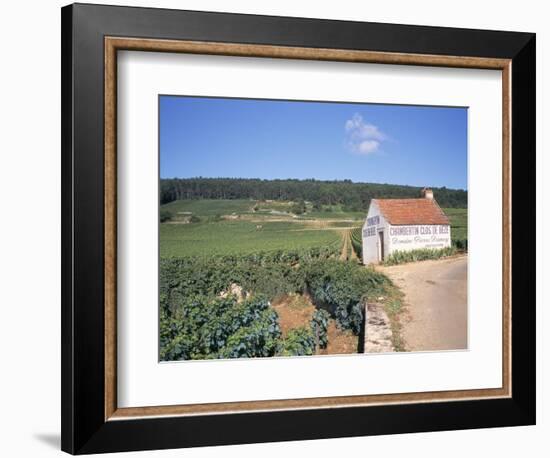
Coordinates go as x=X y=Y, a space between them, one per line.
x=350 y=195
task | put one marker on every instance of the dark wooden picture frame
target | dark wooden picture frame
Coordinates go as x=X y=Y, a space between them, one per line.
x=91 y=37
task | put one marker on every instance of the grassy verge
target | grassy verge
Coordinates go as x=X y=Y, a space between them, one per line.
x=401 y=257
x=393 y=306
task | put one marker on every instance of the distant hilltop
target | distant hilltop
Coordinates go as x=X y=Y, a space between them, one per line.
x=351 y=196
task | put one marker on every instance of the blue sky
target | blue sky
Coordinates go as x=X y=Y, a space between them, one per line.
x=397 y=144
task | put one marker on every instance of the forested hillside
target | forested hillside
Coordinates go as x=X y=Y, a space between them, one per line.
x=352 y=196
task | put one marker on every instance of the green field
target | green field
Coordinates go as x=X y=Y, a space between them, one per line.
x=239 y=237
x=459 y=222
x=334 y=212
x=213 y=207
x=355 y=216
x=242 y=226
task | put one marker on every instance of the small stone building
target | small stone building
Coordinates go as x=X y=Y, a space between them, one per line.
x=404 y=225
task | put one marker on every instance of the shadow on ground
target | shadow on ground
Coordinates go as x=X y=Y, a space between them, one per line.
x=51 y=439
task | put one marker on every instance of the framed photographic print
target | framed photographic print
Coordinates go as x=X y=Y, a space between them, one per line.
x=282 y=228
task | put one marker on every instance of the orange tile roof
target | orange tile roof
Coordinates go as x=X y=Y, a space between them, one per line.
x=411 y=211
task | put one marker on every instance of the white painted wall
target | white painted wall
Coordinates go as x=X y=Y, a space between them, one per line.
x=407 y=238
x=370 y=234
x=399 y=238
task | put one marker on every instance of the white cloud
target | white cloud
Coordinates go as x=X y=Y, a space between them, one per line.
x=362 y=137
x=368 y=146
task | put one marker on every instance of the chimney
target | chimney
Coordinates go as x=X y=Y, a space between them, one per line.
x=427 y=193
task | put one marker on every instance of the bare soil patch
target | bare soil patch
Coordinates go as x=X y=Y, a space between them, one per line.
x=339 y=341
x=296 y=310
x=345 y=246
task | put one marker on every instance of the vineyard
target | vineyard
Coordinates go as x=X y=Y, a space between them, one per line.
x=224 y=263
x=227 y=237
x=459 y=227
x=201 y=318
x=229 y=227
x=357 y=241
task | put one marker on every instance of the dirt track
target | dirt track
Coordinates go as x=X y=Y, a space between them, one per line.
x=345 y=246
x=436 y=298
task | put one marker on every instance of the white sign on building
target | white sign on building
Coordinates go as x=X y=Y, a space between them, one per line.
x=404 y=225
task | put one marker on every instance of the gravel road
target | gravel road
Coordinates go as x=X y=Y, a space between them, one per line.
x=436 y=314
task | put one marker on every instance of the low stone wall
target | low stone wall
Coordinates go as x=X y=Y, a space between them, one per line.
x=377 y=332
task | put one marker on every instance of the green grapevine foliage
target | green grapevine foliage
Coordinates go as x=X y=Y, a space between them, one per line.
x=299 y=342
x=357 y=241
x=200 y=319
x=319 y=326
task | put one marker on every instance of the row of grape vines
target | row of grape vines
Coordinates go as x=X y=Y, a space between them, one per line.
x=357 y=242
